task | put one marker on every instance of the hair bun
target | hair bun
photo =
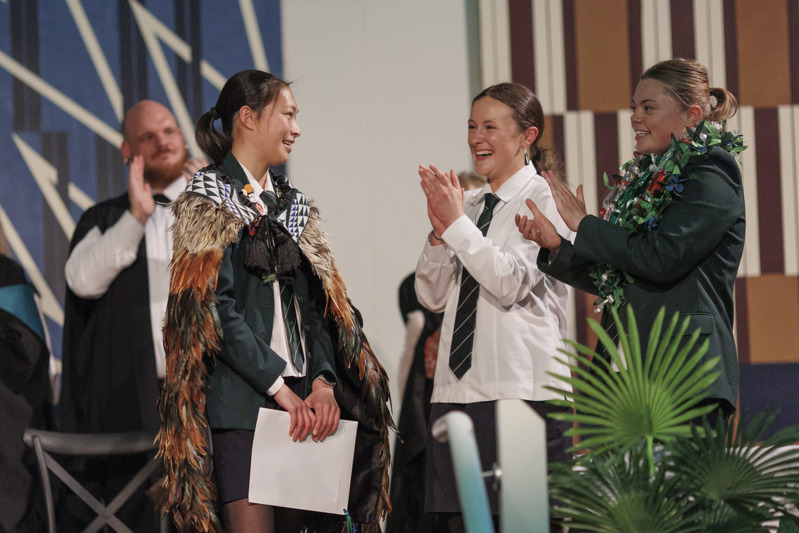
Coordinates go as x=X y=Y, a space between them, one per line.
x=716 y=97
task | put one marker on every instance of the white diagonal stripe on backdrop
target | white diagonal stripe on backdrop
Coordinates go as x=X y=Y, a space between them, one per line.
x=151 y=28
x=149 y=23
x=45 y=176
x=253 y=35
x=58 y=98
x=43 y=169
x=98 y=58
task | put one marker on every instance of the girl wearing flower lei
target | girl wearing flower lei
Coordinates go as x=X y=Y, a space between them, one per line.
x=671 y=231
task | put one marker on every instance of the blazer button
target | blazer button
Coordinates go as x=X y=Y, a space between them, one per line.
x=299 y=299
x=307 y=327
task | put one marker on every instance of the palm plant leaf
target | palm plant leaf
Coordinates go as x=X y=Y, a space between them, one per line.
x=726 y=479
x=741 y=478
x=637 y=395
x=616 y=493
x=789 y=525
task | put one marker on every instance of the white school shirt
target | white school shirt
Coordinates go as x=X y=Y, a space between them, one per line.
x=279 y=342
x=98 y=258
x=521 y=313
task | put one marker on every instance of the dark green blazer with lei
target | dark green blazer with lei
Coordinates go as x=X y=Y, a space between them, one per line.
x=246 y=366
x=688 y=263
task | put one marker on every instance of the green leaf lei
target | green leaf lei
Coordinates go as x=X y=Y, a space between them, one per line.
x=649 y=184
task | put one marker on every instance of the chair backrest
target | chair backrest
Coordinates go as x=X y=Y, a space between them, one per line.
x=45 y=443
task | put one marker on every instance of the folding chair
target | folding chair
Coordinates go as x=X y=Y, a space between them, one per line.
x=91 y=444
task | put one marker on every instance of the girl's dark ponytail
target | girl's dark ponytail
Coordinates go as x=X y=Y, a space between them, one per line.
x=213 y=143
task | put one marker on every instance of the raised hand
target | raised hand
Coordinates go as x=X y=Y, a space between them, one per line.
x=570 y=207
x=538 y=228
x=140 y=193
x=444 y=196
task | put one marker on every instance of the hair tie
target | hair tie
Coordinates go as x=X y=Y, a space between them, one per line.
x=214 y=114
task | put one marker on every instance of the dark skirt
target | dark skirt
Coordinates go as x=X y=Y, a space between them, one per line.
x=441 y=493
x=232 y=454
x=232 y=457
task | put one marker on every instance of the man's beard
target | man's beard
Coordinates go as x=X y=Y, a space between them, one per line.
x=160 y=177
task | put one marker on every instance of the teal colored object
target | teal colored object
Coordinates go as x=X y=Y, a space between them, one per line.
x=350 y=526
x=457 y=428
x=18 y=300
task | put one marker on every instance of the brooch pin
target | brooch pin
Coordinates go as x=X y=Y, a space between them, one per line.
x=253 y=198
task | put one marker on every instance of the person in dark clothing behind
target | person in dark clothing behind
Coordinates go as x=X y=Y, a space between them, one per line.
x=117 y=287
x=25 y=396
x=408 y=471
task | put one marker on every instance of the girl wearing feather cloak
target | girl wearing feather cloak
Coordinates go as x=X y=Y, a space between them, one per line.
x=258 y=316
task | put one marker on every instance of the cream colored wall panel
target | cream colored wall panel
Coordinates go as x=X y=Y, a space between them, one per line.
x=655 y=31
x=709 y=39
x=550 y=55
x=494 y=40
x=626 y=136
x=750 y=263
x=580 y=155
x=789 y=152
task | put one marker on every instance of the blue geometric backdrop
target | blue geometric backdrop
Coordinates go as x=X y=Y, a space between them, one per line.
x=68 y=71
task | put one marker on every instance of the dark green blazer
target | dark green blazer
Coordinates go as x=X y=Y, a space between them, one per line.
x=688 y=263
x=246 y=366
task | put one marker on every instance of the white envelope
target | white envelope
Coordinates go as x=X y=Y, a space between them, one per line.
x=308 y=475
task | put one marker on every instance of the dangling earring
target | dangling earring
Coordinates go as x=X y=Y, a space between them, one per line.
x=526 y=157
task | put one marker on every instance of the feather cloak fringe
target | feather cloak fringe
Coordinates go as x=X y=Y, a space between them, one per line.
x=202 y=230
x=360 y=373
x=192 y=331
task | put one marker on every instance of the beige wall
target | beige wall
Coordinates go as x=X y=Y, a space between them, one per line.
x=381 y=87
